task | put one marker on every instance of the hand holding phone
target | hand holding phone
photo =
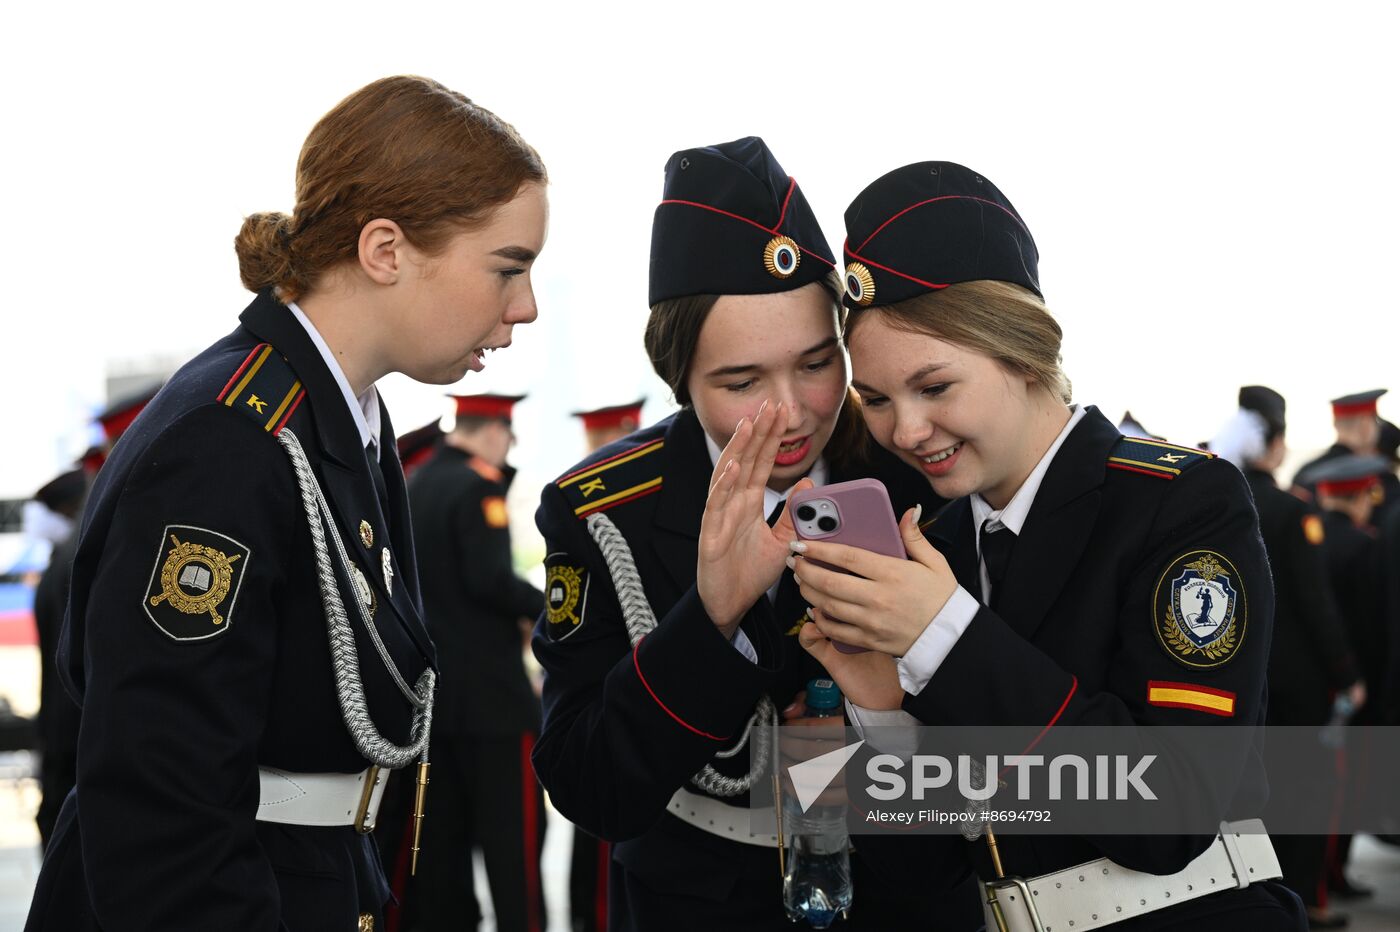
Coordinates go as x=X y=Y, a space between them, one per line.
x=856 y=513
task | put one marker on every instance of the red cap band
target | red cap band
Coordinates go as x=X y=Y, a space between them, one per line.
x=485 y=405
x=1354 y=410
x=1346 y=486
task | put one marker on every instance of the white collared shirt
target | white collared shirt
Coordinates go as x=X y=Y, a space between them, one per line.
x=818 y=474
x=925 y=656
x=365 y=408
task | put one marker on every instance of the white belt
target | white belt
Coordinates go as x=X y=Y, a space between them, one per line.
x=320 y=798
x=1101 y=893
x=710 y=815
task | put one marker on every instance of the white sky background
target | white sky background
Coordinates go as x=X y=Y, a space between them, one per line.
x=1212 y=187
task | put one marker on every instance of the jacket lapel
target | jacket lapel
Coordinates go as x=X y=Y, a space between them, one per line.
x=1059 y=525
x=952 y=533
x=343 y=469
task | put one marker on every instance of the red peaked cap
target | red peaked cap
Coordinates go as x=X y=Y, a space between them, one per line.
x=417 y=445
x=120 y=413
x=613 y=416
x=1358 y=404
x=486 y=405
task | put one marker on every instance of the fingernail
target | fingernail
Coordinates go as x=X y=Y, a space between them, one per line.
x=798 y=546
x=791 y=562
x=918 y=513
x=762 y=406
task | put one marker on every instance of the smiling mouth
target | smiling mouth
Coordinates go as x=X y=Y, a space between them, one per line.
x=942 y=455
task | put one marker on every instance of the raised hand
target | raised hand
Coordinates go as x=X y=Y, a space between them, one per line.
x=740 y=555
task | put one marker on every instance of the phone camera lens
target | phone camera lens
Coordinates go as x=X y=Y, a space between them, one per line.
x=827 y=523
x=806 y=512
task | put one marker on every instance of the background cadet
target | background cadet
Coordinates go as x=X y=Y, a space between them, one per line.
x=58 y=713
x=1345 y=495
x=484 y=793
x=589 y=855
x=1310 y=659
x=418 y=446
x=1358 y=433
x=57 y=725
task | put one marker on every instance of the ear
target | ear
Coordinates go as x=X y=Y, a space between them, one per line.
x=382 y=251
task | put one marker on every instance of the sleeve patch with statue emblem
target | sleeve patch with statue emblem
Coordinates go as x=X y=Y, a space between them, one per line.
x=565 y=595
x=1200 y=609
x=194 y=583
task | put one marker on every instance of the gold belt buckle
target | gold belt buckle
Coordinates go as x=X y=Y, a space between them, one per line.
x=363 y=826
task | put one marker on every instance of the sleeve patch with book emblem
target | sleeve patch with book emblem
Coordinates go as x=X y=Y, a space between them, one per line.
x=565 y=595
x=194 y=583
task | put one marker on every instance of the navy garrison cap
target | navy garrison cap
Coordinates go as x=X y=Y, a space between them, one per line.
x=731 y=221
x=929 y=225
x=1265 y=402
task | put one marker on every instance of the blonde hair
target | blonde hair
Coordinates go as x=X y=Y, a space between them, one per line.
x=998 y=319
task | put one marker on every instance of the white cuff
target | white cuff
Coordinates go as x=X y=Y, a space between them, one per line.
x=893 y=729
x=744 y=646
x=923 y=659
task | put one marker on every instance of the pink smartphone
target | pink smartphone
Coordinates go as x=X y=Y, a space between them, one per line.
x=856 y=513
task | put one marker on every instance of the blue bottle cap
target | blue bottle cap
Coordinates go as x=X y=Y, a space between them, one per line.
x=823 y=693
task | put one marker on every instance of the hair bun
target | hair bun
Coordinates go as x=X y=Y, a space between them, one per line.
x=264 y=253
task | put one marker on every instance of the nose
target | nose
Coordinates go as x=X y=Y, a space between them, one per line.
x=523 y=310
x=910 y=430
x=786 y=393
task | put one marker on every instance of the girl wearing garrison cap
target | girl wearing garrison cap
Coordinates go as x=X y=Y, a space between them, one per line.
x=1053 y=590
x=664 y=635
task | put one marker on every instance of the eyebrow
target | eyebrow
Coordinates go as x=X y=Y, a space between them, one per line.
x=826 y=344
x=518 y=253
x=913 y=379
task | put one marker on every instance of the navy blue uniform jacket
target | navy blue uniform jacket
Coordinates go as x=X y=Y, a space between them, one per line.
x=625 y=728
x=1081 y=634
x=180 y=709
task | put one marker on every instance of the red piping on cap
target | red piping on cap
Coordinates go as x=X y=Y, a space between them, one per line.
x=754 y=223
x=885 y=268
x=946 y=197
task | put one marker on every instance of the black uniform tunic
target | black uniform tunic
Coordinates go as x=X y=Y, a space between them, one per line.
x=483 y=792
x=1078 y=638
x=181 y=708
x=625 y=728
x=1311 y=659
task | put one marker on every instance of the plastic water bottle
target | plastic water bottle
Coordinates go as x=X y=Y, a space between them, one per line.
x=817 y=885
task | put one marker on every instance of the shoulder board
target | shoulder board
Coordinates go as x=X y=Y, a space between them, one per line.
x=624 y=477
x=265 y=388
x=1154 y=458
